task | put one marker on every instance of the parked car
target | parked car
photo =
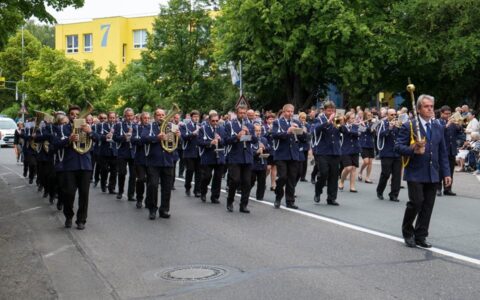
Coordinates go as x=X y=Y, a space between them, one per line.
x=7 y=131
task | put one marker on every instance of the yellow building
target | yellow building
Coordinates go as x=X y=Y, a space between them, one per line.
x=114 y=39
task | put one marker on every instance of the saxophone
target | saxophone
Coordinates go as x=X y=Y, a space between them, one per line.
x=170 y=144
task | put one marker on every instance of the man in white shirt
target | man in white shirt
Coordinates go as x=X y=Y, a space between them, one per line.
x=473 y=125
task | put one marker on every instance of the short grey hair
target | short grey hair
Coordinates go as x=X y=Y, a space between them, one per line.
x=424 y=97
x=128 y=109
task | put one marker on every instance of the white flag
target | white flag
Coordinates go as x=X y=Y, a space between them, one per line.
x=234 y=74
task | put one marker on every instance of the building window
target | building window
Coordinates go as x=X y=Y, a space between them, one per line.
x=87 y=42
x=72 y=43
x=140 y=38
x=124 y=53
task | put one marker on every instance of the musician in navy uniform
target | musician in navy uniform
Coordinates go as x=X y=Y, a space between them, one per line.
x=350 y=151
x=423 y=170
x=368 y=148
x=46 y=171
x=326 y=147
x=140 y=160
x=259 y=168
x=453 y=132
x=211 y=140
x=29 y=154
x=122 y=135
x=97 y=128
x=76 y=169
x=159 y=167
x=391 y=163
x=239 y=136
x=108 y=155
x=286 y=156
x=189 y=133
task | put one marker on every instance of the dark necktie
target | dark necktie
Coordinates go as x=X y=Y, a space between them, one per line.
x=429 y=132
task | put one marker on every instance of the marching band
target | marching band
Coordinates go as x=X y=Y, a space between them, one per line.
x=70 y=151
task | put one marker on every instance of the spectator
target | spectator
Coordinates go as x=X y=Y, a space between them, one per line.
x=473 y=125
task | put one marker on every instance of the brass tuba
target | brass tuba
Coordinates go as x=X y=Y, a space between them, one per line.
x=170 y=144
x=34 y=145
x=84 y=143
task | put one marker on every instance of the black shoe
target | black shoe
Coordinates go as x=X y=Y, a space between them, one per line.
x=259 y=198
x=104 y=189
x=180 y=176
x=316 y=199
x=292 y=206
x=139 y=204
x=188 y=193
x=164 y=215
x=111 y=192
x=68 y=223
x=380 y=196
x=80 y=226
x=152 y=215
x=449 y=193
x=313 y=181
x=131 y=199
x=25 y=175
x=45 y=194
x=353 y=191
x=394 y=199
x=439 y=193
x=333 y=202
x=40 y=188
x=410 y=242
x=95 y=184
x=244 y=210
x=197 y=194
x=423 y=243
x=30 y=181
x=402 y=187
x=119 y=196
x=276 y=204
x=173 y=188
x=303 y=180
x=272 y=189
x=203 y=198
x=51 y=199
x=229 y=207
x=215 y=201
x=59 y=206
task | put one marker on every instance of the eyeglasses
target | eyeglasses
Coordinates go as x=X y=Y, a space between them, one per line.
x=214 y=121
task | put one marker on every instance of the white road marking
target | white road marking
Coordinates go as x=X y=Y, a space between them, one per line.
x=13 y=171
x=365 y=230
x=3 y=174
x=59 y=250
x=18 y=187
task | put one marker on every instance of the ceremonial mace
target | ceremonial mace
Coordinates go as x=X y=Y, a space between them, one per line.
x=420 y=142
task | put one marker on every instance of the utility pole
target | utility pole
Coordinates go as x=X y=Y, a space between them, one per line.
x=23 y=79
x=241 y=80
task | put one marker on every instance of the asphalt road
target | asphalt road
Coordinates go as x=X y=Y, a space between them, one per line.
x=268 y=254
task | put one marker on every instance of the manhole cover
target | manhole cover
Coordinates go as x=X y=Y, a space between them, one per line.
x=193 y=273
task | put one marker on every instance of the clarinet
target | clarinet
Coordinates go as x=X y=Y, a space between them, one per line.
x=244 y=143
x=216 y=144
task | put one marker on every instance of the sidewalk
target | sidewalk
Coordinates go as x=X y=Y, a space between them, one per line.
x=23 y=273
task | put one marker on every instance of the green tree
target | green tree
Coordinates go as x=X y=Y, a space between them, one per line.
x=131 y=88
x=14 y=62
x=45 y=33
x=55 y=82
x=14 y=12
x=439 y=50
x=291 y=49
x=179 y=58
